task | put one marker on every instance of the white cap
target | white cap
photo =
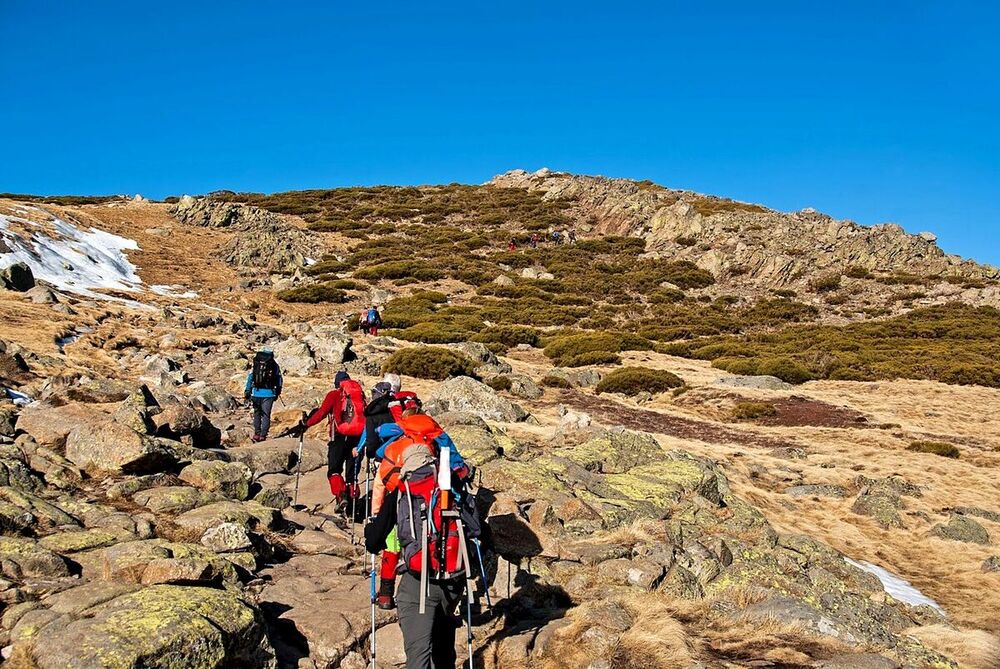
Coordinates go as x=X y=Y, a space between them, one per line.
x=393 y=381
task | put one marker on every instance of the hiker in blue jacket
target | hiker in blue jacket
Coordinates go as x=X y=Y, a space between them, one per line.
x=263 y=387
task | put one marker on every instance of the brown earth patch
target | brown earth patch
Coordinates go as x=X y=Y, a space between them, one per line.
x=798 y=411
x=609 y=412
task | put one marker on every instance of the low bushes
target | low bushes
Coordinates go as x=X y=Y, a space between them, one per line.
x=313 y=294
x=825 y=284
x=499 y=383
x=429 y=362
x=550 y=381
x=936 y=447
x=635 y=380
x=753 y=410
x=508 y=335
x=953 y=343
x=432 y=333
x=591 y=358
x=564 y=349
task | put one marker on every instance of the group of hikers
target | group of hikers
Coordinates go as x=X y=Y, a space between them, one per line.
x=369 y=321
x=555 y=236
x=422 y=517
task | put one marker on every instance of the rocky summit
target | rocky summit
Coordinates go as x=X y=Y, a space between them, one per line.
x=705 y=434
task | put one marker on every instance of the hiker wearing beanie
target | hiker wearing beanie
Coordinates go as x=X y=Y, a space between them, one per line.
x=262 y=388
x=344 y=408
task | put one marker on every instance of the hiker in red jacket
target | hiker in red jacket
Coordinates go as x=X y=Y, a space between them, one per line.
x=344 y=409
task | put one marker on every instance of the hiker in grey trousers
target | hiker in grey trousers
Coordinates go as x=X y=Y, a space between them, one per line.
x=431 y=636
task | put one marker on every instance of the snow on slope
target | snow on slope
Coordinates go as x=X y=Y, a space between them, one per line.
x=67 y=257
x=895 y=586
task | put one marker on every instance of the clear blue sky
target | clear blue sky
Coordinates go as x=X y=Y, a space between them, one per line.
x=874 y=111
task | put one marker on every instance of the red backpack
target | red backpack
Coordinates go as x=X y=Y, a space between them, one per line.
x=403 y=400
x=351 y=421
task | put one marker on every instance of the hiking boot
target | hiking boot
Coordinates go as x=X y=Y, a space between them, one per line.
x=386 y=602
x=256 y=439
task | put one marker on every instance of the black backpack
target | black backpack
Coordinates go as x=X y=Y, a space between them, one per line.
x=265 y=371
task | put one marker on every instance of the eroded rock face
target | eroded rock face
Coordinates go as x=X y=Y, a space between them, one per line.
x=463 y=393
x=265 y=242
x=767 y=247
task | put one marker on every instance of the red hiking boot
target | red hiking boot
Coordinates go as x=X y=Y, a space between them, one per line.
x=386 y=601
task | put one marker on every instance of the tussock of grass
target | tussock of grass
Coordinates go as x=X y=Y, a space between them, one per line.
x=753 y=410
x=635 y=380
x=314 y=293
x=550 y=381
x=935 y=447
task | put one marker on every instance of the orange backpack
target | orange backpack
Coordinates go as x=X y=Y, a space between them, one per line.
x=415 y=449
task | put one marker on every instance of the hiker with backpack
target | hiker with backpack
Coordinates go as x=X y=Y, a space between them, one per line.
x=344 y=409
x=389 y=405
x=434 y=518
x=374 y=320
x=262 y=388
x=363 y=321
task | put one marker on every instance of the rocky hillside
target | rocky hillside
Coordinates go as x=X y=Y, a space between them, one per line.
x=745 y=241
x=657 y=496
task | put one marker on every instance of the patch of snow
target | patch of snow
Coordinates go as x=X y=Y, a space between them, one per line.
x=171 y=291
x=71 y=259
x=19 y=399
x=310 y=261
x=897 y=587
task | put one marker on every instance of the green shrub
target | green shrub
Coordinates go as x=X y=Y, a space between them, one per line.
x=857 y=272
x=686 y=241
x=550 y=381
x=753 y=410
x=825 y=284
x=499 y=383
x=786 y=369
x=433 y=332
x=566 y=348
x=666 y=296
x=591 y=358
x=634 y=380
x=508 y=335
x=936 y=447
x=429 y=362
x=400 y=269
x=326 y=266
x=313 y=293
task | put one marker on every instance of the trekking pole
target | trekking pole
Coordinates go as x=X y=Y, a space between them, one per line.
x=463 y=546
x=482 y=573
x=371 y=639
x=298 y=469
x=354 y=498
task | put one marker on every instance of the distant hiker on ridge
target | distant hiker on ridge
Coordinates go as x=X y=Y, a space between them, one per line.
x=263 y=387
x=374 y=321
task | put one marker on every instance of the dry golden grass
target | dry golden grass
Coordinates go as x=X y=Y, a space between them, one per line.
x=654 y=640
x=972 y=649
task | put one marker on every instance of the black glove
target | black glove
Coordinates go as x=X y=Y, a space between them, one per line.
x=374 y=537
